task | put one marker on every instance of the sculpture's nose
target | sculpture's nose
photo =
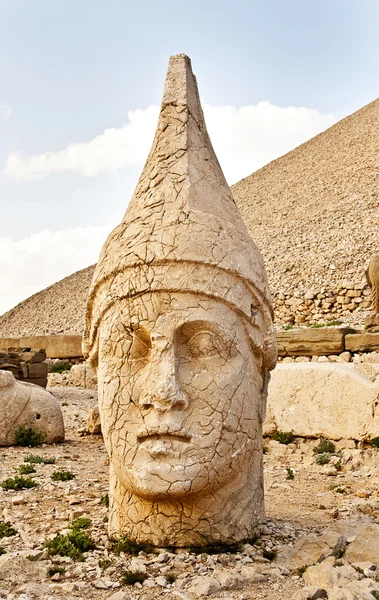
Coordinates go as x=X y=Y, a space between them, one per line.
x=162 y=391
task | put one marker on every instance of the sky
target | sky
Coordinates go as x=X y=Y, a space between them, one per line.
x=80 y=87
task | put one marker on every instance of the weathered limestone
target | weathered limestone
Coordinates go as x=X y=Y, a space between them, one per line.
x=179 y=330
x=372 y=276
x=362 y=342
x=322 y=399
x=311 y=342
x=56 y=346
x=28 y=405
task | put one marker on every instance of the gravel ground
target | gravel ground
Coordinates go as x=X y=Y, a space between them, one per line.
x=317 y=498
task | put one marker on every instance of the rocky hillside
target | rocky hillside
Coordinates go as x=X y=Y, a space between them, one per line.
x=57 y=309
x=314 y=213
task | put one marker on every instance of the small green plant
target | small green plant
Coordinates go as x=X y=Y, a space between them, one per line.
x=18 y=483
x=26 y=469
x=129 y=547
x=60 y=367
x=338 y=489
x=62 y=476
x=6 y=529
x=55 y=569
x=34 y=459
x=28 y=436
x=132 y=577
x=71 y=545
x=2 y=551
x=338 y=465
x=287 y=327
x=170 y=578
x=301 y=570
x=283 y=437
x=105 y=500
x=375 y=442
x=323 y=459
x=104 y=563
x=324 y=446
x=269 y=554
x=265 y=449
x=80 y=523
x=375 y=595
x=290 y=473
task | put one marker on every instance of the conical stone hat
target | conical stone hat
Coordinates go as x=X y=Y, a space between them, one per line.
x=182 y=230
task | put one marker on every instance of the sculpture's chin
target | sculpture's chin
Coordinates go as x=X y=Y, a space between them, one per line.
x=165 y=481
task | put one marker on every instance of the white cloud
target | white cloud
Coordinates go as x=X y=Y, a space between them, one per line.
x=33 y=263
x=5 y=111
x=244 y=139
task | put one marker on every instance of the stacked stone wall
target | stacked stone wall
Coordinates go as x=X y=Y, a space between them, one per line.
x=26 y=364
x=347 y=302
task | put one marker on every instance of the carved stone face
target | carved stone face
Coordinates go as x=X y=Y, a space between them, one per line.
x=180 y=391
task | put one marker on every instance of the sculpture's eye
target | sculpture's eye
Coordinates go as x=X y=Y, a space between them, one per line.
x=200 y=340
x=140 y=348
x=204 y=344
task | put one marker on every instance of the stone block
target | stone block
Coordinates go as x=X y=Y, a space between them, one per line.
x=331 y=400
x=311 y=342
x=362 y=342
x=37 y=370
x=57 y=346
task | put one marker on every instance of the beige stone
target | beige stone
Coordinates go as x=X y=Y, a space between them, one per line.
x=365 y=547
x=93 y=421
x=179 y=330
x=82 y=376
x=28 y=405
x=331 y=400
x=311 y=342
x=311 y=549
x=372 y=276
x=362 y=342
x=17 y=569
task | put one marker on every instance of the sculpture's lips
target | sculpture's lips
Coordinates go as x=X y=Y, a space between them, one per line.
x=161 y=435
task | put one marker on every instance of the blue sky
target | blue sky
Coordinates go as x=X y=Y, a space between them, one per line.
x=71 y=70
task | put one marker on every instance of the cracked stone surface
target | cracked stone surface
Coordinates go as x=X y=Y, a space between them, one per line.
x=372 y=276
x=28 y=405
x=179 y=331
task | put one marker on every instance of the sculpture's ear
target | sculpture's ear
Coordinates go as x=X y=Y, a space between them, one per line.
x=266 y=376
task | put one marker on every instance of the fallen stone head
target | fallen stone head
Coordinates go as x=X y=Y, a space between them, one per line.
x=30 y=406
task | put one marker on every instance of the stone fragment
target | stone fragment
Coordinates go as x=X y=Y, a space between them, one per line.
x=93 y=421
x=27 y=405
x=17 y=569
x=324 y=576
x=311 y=549
x=82 y=376
x=227 y=579
x=330 y=400
x=120 y=595
x=204 y=586
x=365 y=547
x=179 y=329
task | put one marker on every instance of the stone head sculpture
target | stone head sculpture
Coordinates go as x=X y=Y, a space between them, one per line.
x=179 y=329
